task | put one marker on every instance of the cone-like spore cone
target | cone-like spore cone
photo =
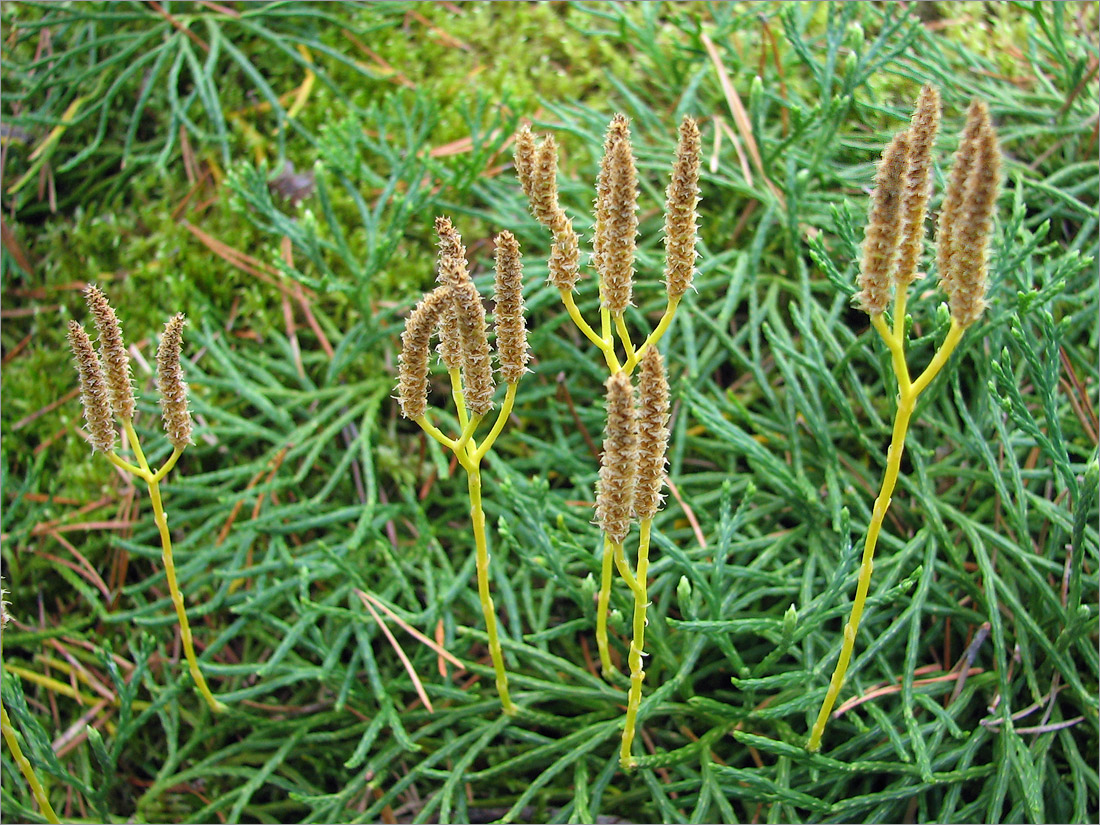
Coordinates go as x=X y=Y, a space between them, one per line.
x=622 y=227
x=881 y=238
x=171 y=385
x=918 y=184
x=93 y=390
x=969 y=282
x=966 y=156
x=681 y=219
x=112 y=351
x=653 y=409
x=619 y=462
x=412 y=387
x=511 y=327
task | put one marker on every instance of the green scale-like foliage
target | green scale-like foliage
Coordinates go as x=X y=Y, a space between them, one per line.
x=782 y=402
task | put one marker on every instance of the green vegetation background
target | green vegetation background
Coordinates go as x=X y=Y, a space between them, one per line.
x=144 y=148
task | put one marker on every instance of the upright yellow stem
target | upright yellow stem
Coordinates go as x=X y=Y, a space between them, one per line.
x=498 y=425
x=602 y=601
x=477 y=517
x=908 y=392
x=177 y=599
x=605 y=344
x=456 y=394
x=25 y=767
x=654 y=337
x=624 y=336
x=469 y=455
x=893 y=463
x=899 y=312
x=637 y=644
x=152 y=480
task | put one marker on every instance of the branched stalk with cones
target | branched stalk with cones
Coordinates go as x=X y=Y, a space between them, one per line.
x=636 y=437
x=892 y=249
x=454 y=311
x=106 y=388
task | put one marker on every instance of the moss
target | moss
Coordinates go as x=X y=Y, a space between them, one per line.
x=522 y=52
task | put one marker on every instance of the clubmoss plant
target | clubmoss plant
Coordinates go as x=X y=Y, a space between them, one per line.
x=633 y=461
x=106 y=388
x=891 y=251
x=454 y=310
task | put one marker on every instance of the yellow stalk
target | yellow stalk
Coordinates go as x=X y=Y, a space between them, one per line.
x=602 y=601
x=125 y=466
x=469 y=455
x=153 y=483
x=655 y=336
x=908 y=392
x=25 y=767
x=605 y=344
x=51 y=684
x=466 y=445
x=899 y=312
x=477 y=517
x=624 y=336
x=637 y=644
x=498 y=425
x=168 y=465
x=456 y=394
x=432 y=430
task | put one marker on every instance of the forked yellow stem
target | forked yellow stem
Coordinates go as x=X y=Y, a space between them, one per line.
x=477 y=517
x=605 y=344
x=152 y=480
x=639 y=585
x=498 y=425
x=469 y=454
x=908 y=392
x=459 y=399
x=602 y=601
x=25 y=767
x=654 y=337
x=624 y=336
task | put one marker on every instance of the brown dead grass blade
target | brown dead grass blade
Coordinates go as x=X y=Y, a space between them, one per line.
x=401 y=655
x=369 y=599
x=740 y=117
